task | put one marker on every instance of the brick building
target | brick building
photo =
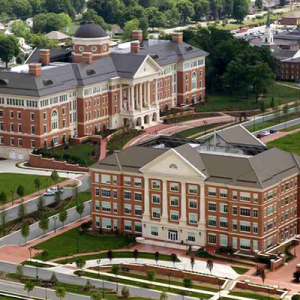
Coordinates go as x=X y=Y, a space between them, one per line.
x=291 y=19
x=226 y=190
x=59 y=94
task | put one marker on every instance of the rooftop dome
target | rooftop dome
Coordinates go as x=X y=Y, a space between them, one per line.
x=90 y=30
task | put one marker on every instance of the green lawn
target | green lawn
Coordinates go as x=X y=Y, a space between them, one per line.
x=240 y=270
x=288 y=143
x=120 y=254
x=183 y=118
x=270 y=123
x=291 y=128
x=224 y=102
x=11 y=181
x=195 y=130
x=252 y=295
x=66 y=244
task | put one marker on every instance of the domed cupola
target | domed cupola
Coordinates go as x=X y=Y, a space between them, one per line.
x=90 y=38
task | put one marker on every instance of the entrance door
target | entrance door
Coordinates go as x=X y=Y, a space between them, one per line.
x=173 y=235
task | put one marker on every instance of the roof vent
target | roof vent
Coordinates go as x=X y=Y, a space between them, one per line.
x=90 y=72
x=47 y=82
x=155 y=56
x=189 y=48
x=4 y=81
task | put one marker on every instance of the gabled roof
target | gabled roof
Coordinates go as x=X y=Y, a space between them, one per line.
x=56 y=35
x=292 y=15
x=56 y=55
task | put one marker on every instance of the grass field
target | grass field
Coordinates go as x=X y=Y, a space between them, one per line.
x=252 y=295
x=66 y=244
x=290 y=128
x=240 y=270
x=11 y=181
x=223 y=102
x=121 y=254
x=288 y=143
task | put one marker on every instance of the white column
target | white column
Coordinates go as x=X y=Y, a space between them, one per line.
x=141 y=96
x=156 y=91
x=132 y=98
x=183 y=204
x=121 y=98
x=164 y=201
x=148 y=94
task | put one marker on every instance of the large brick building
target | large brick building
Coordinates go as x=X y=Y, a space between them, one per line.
x=61 y=93
x=226 y=190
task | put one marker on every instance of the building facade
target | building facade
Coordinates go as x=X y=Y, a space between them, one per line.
x=227 y=191
x=60 y=94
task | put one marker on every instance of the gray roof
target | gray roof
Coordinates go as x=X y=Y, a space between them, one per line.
x=295 y=14
x=55 y=55
x=283 y=53
x=90 y=30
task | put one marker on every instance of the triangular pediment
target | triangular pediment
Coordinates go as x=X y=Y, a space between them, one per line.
x=147 y=68
x=173 y=164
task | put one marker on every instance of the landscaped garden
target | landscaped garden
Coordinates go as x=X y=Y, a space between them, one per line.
x=84 y=154
x=75 y=241
x=9 y=183
x=257 y=296
x=179 y=117
x=289 y=143
x=225 y=102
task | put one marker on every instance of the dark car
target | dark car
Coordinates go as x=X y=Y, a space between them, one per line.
x=273 y=131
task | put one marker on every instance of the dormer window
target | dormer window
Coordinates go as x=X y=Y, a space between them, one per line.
x=4 y=81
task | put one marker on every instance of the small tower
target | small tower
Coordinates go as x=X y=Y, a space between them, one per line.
x=268 y=38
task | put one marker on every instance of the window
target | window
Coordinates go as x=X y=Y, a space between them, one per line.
x=255 y=228
x=223 y=222
x=127 y=195
x=115 y=179
x=127 y=209
x=234 y=195
x=212 y=192
x=32 y=143
x=223 y=193
x=97 y=191
x=255 y=198
x=212 y=221
x=127 y=180
x=54 y=120
x=245 y=196
x=32 y=116
x=234 y=225
x=97 y=222
x=155 y=184
x=212 y=206
x=191 y=237
x=137 y=210
x=106 y=193
x=96 y=177
x=11 y=114
x=223 y=208
x=193 y=189
x=193 y=218
x=245 y=244
x=174 y=187
x=32 y=129
x=155 y=198
x=154 y=231
x=105 y=206
x=245 y=226
x=138 y=196
x=106 y=223
x=174 y=201
x=223 y=240
x=115 y=207
x=115 y=194
x=174 y=216
x=128 y=225
x=192 y=204
x=246 y=212
x=156 y=213
x=212 y=238
x=138 y=182
x=234 y=210
x=194 y=80
x=255 y=213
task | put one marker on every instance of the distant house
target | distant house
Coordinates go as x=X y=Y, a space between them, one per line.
x=2 y=27
x=29 y=22
x=24 y=48
x=291 y=19
x=58 y=36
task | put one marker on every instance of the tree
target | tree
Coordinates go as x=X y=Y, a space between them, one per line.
x=21 y=29
x=21 y=191
x=186 y=9
x=151 y=275
x=259 y=4
x=156 y=256
x=3 y=198
x=125 y=293
x=91 y=16
x=54 y=176
x=129 y=26
x=187 y=282
x=80 y=263
x=53 y=279
x=155 y=17
x=62 y=216
x=59 y=6
x=29 y=286
x=272 y=103
x=12 y=193
x=192 y=263
x=9 y=48
x=110 y=255
x=19 y=272
x=96 y=296
x=285 y=111
x=136 y=254
x=37 y=184
x=174 y=259
x=88 y=287
x=209 y=265
x=201 y=8
x=60 y=292
x=163 y=296
x=116 y=270
x=22 y=211
x=240 y=9
x=20 y=8
x=80 y=209
x=40 y=204
x=25 y=231
x=44 y=224
x=172 y=17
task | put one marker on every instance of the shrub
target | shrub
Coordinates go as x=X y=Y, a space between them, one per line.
x=125 y=293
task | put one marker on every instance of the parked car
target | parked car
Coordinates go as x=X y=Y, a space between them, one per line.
x=265 y=133
x=49 y=192
x=272 y=131
x=55 y=189
x=259 y=136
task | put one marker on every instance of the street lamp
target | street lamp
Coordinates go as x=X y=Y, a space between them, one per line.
x=54 y=219
x=99 y=262
x=169 y=275
x=46 y=293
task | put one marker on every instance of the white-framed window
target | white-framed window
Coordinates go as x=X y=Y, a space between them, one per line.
x=54 y=120
x=234 y=225
x=212 y=192
x=105 y=179
x=96 y=177
x=127 y=180
x=116 y=224
x=255 y=227
x=245 y=226
x=106 y=193
x=223 y=193
x=245 y=196
x=174 y=201
x=115 y=207
x=174 y=215
x=212 y=221
x=194 y=80
x=127 y=209
x=97 y=205
x=155 y=184
x=255 y=213
x=128 y=225
x=138 y=196
x=138 y=182
x=193 y=218
x=223 y=208
x=154 y=231
x=223 y=222
x=246 y=212
x=106 y=223
x=212 y=238
x=115 y=179
x=127 y=195
x=245 y=244
x=138 y=210
x=191 y=237
x=155 y=198
x=174 y=187
x=97 y=219
x=234 y=195
x=223 y=240
x=255 y=198
x=212 y=206
x=192 y=204
x=192 y=189
x=155 y=213
x=97 y=191
x=106 y=206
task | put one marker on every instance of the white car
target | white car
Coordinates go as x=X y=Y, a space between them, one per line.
x=265 y=133
x=49 y=192
x=55 y=189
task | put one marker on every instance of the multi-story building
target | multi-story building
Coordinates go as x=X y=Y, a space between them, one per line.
x=61 y=93
x=226 y=190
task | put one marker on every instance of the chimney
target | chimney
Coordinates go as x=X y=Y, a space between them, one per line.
x=35 y=69
x=177 y=37
x=137 y=35
x=135 y=47
x=87 y=57
x=45 y=57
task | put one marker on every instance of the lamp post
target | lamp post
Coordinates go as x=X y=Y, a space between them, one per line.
x=99 y=262
x=169 y=275
x=54 y=219
x=46 y=293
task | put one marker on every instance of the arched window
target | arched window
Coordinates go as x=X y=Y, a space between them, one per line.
x=54 y=120
x=194 y=80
